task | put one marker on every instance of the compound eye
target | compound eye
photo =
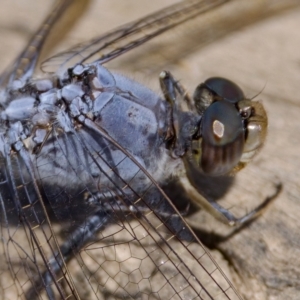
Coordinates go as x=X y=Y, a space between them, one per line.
x=222 y=138
x=225 y=89
x=256 y=129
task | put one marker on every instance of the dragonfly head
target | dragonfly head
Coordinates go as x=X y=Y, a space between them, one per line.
x=232 y=129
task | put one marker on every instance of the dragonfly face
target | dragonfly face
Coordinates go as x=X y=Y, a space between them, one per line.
x=233 y=129
x=69 y=158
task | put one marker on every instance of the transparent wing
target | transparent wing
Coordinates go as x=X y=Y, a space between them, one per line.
x=126 y=244
x=108 y=46
x=137 y=251
x=25 y=63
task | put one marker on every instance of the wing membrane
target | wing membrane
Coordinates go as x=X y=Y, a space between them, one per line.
x=24 y=65
x=137 y=249
x=138 y=243
x=108 y=46
x=142 y=225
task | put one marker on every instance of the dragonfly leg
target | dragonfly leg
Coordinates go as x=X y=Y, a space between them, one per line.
x=173 y=91
x=222 y=213
x=182 y=125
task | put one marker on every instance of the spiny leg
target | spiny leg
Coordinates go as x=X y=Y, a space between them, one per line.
x=221 y=213
x=180 y=121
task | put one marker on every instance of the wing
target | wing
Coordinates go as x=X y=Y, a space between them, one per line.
x=140 y=245
x=131 y=35
x=24 y=65
x=108 y=46
x=137 y=250
x=137 y=253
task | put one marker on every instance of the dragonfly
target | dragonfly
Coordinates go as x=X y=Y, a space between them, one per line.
x=87 y=155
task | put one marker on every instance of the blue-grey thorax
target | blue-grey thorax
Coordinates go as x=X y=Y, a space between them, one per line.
x=71 y=158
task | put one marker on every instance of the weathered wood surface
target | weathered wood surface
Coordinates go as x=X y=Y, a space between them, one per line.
x=263 y=259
